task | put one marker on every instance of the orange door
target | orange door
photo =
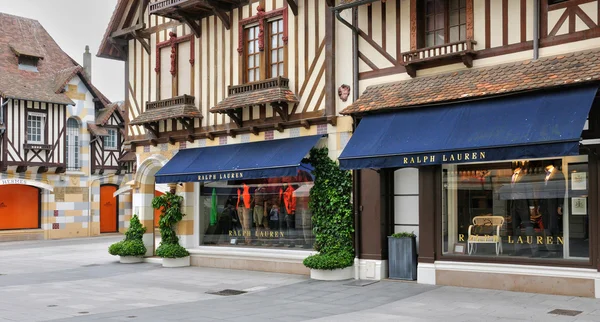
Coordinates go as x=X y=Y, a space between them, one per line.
x=157 y=212
x=108 y=209
x=19 y=207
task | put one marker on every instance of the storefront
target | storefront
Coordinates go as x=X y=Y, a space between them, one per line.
x=250 y=196
x=501 y=191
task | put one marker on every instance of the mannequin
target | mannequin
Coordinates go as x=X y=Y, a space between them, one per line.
x=552 y=192
x=260 y=211
x=289 y=199
x=247 y=211
x=521 y=207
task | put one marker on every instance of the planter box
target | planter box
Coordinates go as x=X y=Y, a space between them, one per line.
x=130 y=259
x=332 y=275
x=402 y=258
x=176 y=262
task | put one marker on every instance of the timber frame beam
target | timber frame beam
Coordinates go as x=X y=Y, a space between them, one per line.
x=293 y=4
x=282 y=110
x=236 y=116
x=152 y=128
x=191 y=22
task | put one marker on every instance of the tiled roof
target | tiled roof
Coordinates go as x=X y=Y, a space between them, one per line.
x=166 y=113
x=572 y=68
x=107 y=49
x=62 y=77
x=105 y=113
x=96 y=130
x=26 y=36
x=256 y=97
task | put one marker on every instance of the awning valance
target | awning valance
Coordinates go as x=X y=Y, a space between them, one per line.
x=532 y=125
x=265 y=159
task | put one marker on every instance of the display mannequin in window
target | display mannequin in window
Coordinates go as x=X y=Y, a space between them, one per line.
x=247 y=212
x=521 y=207
x=551 y=198
x=260 y=210
x=290 y=207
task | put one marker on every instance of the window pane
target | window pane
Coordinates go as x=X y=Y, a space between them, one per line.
x=257 y=61
x=274 y=70
x=250 y=62
x=430 y=23
x=454 y=17
x=274 y=27
x=463 y=3
x=439 y=21
x=251 y=75
x=256 y=49
x=453 y=4
x=280 y=54
x=251 y=33
x=463 y=16
x=273 y=56
x=281 y=73
x=439 y=37
x=430 y=41
x=273 y=41
x=280 y=39
x=463 y=32
x=430 y=9
x=280 y=21
x=251 y=48
x=454 y=34
x=439 y=5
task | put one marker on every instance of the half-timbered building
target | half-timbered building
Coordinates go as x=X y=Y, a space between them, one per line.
x=476 y=122
x=242 y=90
x=48 y=109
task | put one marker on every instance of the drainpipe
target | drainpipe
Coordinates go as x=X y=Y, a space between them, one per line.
x=90 y=184
x=354 y=50
x=536 y=29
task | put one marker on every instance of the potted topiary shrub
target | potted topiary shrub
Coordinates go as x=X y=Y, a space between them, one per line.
x=402 y=256
x=131 y=249
x=330 y=203
x=173 y=254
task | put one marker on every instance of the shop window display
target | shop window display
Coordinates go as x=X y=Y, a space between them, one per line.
x=269 y=212
x=525 y=208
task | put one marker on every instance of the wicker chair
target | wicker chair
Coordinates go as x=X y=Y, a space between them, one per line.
x=494 y=238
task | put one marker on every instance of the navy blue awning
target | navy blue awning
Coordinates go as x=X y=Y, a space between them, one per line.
x=532 y=125
x=265 y=159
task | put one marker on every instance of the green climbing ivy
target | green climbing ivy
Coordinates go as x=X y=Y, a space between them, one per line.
x=331 y=206
x=170 y=208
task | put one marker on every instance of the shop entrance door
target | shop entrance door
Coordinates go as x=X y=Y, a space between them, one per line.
x=19 y=207
x=108 y=209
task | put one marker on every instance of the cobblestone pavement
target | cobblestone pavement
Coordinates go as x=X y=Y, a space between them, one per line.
x=76 y=280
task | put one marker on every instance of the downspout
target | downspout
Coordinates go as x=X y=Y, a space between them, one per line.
x=536 y=29
x=354 y=49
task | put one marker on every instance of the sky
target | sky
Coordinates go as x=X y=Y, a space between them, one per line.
x=74 y=24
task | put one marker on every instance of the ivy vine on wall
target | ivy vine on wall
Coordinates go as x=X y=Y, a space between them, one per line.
x=331 y=206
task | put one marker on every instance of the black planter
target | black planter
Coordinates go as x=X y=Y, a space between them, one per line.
x=402 y=258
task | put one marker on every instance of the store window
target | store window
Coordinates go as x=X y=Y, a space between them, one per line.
x=525 y=208
x=270 y=212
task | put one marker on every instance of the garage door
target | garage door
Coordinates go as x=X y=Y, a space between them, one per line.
x=108 y=210
x=19 y=207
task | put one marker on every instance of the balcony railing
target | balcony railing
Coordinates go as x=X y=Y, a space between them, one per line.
x=278 y=82
x=164 y=4
x=169 y=102
x=439 y=52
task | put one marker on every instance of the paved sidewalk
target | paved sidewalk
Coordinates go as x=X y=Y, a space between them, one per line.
x=76 y=280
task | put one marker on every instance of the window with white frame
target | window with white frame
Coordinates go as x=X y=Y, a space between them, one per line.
x=35 y=128
x=110 y=141
x=73 y=144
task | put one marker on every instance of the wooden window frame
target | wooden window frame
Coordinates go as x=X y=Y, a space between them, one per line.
x=263 y=19
x=43 y=124
x=116 y=146
x=422 y=28
x=268 y=58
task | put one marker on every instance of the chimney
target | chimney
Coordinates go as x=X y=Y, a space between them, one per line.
x=87 y=63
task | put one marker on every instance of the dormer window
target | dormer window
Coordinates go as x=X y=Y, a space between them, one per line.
x=28 y=63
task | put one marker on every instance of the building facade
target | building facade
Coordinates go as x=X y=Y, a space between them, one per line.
x=226 y=98
x=484 y=115
x=48 y=110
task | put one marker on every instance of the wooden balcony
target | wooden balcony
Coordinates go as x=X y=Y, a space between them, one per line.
x=278 y=82
x=449 y=53
x=171 y=102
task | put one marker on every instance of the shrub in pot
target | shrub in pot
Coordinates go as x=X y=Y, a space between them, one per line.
x=131 y=249
x=402 y=257
x=173 y=254
x=331 y=207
